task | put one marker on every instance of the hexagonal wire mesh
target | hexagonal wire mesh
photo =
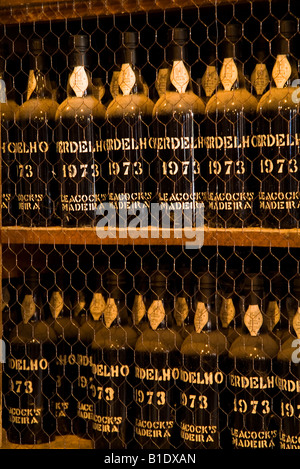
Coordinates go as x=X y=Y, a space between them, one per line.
x=146 y=344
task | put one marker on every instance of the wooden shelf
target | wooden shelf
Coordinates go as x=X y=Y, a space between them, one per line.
x=18 y=11
x=212 y=237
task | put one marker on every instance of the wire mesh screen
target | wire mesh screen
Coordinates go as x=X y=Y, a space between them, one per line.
x=179 y=337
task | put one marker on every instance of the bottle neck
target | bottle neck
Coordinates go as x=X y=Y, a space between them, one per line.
x=32 y=309
x=205 y=319
x=180 y=77
x=115 y=313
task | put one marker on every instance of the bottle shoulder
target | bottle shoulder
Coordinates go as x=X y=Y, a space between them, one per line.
x=114 y=338
x=173 y=102
x=288 y=348
x=131 y=104
x=8 y=110
x=279 y=98
x=37 y=109
x=232 y=101
x=261 y=346
x=205 y=343
x=159 y=340
x=38 y=331
x=75 y=106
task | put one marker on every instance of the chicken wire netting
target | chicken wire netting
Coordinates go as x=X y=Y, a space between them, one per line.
x=149 y=344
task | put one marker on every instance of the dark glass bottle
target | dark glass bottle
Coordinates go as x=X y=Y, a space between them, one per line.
x=30 y=370
x=60 y=318
x=252 y=381
x=277 y=137
x=111 y=389
x=287 y=371
x=203 y=379
x=157 y=369
x=127 y=137
x=90 y=323
x=8 y=109
x=227 y=166
x=79 y=120
x=36 y=179
x=176 y=120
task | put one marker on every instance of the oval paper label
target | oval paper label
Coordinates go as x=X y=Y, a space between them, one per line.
x=228 y=74
x=110 y=312
x=201 y=316
x=281 y=71
x=181 y=310
x=227 y=311
x=179 y=76
x=138 y=309
x=156 y=314
x=28 y=308
x=79 y=81
x=253 y=319
x=97 y=306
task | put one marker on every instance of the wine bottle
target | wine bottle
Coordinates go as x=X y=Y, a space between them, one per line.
x=203 y=376
x=9 y=109
x=227 y=165
x=61 y=320
x=157 y=370
x=287 y=371
x=176 y=120
x=277 y=137
x=79 y=120
x=36 y=179
x=127 y=138
x=30 y=369
x=111 y=388
x=90 y=323
x=252 y=381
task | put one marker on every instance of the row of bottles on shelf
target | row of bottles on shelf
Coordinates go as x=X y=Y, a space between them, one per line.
x=194 y=365
x=235 y=154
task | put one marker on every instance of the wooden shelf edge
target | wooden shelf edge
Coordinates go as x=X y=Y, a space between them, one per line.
x=260 y=237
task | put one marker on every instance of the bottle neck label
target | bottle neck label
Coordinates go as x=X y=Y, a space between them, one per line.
x=126 y=79
x=179 y=76
x=296 y=323
x=253 y=319
x=31 y=84
x=110 y=312
x=282 y=70
x=79 y=81
x=272 y=314
x=138 y=309
x=227 y=312
x=229 y=73
x=28 y=308
x=156 y=314
x=2 y=92
x=260 y=78
x=56 y=304
x=181 y=310
x=97 y=306
x=201 y=316
x=161 y=81
x=210 y=80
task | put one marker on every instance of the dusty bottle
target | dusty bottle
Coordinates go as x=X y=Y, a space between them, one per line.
x=79 y=120
x=202 y=376
x=127 y=132
x=176 y=128
x=30 y=369
x=260 y=77
x=90 y=322
x=227 y=165
x=157 y=369
x=111 y=389
x=36 y=179
x=277 y=135
x=252 y=380
x=61 y=320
